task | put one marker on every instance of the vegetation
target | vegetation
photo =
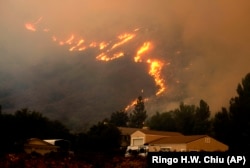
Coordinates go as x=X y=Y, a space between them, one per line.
x=104 y=137
x=139 y=114
x=136 y=119
x=231 y=126
x=119 y=118
x=24 y=124
x=235 y=122
x=187 y=119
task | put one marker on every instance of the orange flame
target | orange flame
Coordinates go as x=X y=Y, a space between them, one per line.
x=104 y=57
x=145 y=47
x=155 y=67
x=80 y=42
x=124 y=38
x=103 y=45
x=155 y=72
x=72 y=48
x=81 y=48
x=132 y=104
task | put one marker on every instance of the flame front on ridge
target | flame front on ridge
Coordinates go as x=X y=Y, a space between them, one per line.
x=113 y=50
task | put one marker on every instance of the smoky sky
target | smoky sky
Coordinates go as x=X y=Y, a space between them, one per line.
x=204 y=44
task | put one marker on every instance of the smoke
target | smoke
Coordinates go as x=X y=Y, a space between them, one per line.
x=203 y=44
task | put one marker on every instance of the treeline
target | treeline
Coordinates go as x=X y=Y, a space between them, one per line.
x=24 y=124
x=231 y=126
x=187 y=119
x=104 y=136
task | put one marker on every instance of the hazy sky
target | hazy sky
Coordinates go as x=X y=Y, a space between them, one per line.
x=204 y=44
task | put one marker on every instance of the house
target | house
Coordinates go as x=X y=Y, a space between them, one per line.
x=189 y=144
x=39 y=146
x=144 y=136
x=46 y=146
x=171 y=141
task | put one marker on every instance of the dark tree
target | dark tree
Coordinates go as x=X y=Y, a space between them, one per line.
x=119 y=118
x=239 y=112
x=184 y=117
x=221 y=126
x=233 y=126
x=34 y=124
x=202 y=122
x=7 y=130
x=103 y=137
x=139 y=114
x=164 y=121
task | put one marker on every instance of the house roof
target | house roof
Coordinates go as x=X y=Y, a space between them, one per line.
x=37 y=141
x=163 y=133
x=177 y=139
x=127 y=130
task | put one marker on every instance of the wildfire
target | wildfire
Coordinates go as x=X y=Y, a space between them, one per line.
x=111 y=50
